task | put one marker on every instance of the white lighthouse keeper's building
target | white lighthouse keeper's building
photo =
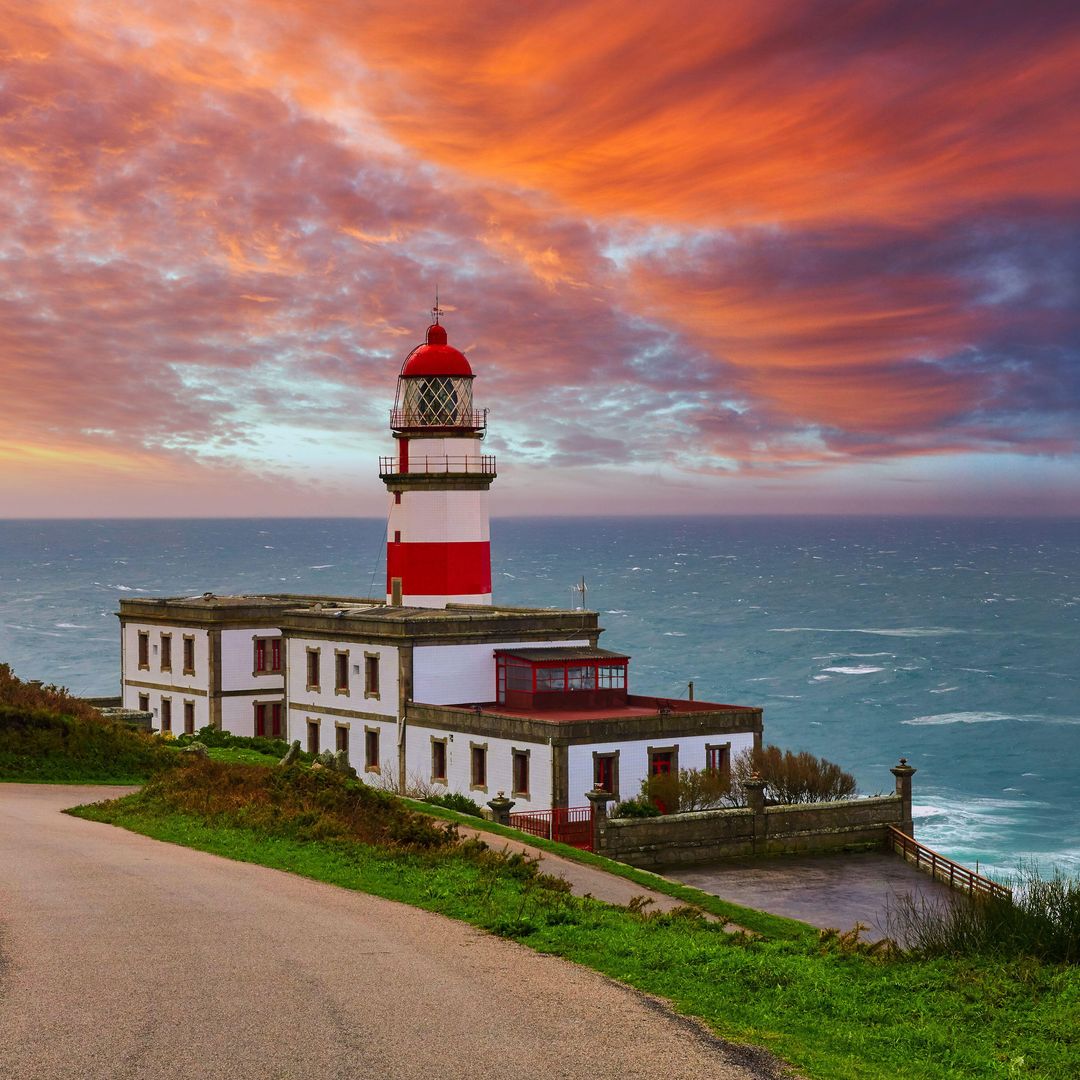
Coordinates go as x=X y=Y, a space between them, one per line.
x=432 y=686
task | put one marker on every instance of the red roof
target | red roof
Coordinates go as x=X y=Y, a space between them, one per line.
x=435 y=357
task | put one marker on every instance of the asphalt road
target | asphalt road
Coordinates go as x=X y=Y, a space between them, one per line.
x=122 y=957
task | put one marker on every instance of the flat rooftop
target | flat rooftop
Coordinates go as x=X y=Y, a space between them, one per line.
x=636 y=705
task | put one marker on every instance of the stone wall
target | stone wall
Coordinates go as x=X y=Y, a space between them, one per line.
x=757 y=829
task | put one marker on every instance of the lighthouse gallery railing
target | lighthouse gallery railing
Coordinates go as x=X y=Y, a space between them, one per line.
x=479 y=464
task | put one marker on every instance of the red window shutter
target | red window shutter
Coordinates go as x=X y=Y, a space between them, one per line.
x=260 y=654
x=275 y=654
x=275 y=713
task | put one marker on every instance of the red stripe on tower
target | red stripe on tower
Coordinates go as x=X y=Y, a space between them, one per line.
x=438 y=536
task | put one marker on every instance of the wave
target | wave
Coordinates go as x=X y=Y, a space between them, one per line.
x=846 y=655
x=859 y=669
x=938 y=719
x=70 y=626
x=674 y=633
x=907 y=631
x=321 y=566
x=945 y=690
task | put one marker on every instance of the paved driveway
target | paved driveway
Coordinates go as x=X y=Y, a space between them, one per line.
x=122 y=957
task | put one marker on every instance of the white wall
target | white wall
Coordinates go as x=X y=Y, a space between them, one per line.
x=357 y=726
x=326 y=697
x=176 y=677
x=499 y=767
x=457 y=674
x=202 y=706
x=634 y=760
x=441 y=517
x=238 y=660
x=437 y=449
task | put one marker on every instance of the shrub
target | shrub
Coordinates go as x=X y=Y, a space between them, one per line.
x=303 y=804
x=218 y=739
x=635 y=808
x=41 y=745
x=453 y=801
x=793 y=778
x=36 y=696
x=1041 y=919
x=691 y=789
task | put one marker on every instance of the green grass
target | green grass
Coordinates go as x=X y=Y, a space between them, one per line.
x=235 y=755
x=760 y=922
x=835 y=1014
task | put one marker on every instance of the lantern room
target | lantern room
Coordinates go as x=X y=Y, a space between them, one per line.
x=434 y=391
x=575 y=676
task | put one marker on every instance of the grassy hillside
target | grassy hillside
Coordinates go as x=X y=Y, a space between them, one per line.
x=825 y=1003
x=48 y=736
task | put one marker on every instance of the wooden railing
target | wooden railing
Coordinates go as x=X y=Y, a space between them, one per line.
x=943 y=869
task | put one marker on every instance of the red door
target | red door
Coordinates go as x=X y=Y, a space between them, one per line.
x=275 y=719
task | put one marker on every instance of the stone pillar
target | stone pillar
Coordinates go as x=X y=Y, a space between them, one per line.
x=500 y=808
x=903 y=773
x=755 y=799
x=598 y=800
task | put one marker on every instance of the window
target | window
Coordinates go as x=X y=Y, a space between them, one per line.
x=478 y=766
x=371 y=749
x=341 y=671
x=611 y=677
x=520 y=677
x=166 y=715
x=144 y=703
x=144 y=650
x=189 y=655
x=397 y=498
x=166 y=652
x=606 y=773
x=189 y=717
x=551 y=678
x=438 y=761
x=313 y=736
x=718 y=759
x=313 y=669
x=267 y=655
x=341 y=738
x=580 y=678
x=397 y=536
x=371 y=675
x=268 y=718
x=519 y=761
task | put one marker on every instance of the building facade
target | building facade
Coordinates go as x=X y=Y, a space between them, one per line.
x=432 y=688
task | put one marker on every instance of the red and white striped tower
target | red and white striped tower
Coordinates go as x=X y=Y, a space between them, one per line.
x=438 y=544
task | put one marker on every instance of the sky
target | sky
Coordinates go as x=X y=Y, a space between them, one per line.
x=704 y=257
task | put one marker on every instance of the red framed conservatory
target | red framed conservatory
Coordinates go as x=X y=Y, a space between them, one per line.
x=576 y=676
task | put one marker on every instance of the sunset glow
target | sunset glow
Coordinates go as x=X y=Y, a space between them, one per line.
x=704 y=257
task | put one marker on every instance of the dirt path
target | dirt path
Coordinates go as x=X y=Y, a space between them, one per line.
x=121 y=957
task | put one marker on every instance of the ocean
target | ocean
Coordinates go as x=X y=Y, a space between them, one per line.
x=953 y=643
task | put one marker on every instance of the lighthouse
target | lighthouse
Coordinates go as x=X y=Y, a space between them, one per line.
x=438 y=542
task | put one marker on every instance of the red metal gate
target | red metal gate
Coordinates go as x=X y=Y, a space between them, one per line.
x=569 y=825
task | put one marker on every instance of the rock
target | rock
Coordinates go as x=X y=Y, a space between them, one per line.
x=326 y=759
x=196 y=748
x=292 y=755
x=317 y=765
x=341 y=764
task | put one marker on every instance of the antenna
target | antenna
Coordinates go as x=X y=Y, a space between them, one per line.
x=582 y=588
x=436 y=310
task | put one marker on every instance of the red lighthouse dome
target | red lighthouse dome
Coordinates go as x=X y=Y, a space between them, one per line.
x=435 y=388
x=435 y=357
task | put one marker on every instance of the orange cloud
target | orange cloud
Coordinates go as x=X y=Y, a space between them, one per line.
x=789 y=241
